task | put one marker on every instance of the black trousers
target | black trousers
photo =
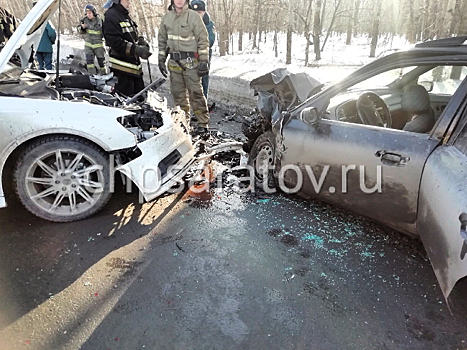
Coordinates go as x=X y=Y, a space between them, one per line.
x=128 y=84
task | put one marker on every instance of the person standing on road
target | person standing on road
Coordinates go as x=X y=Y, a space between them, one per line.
x=183 y=36
x=126 y=47
x=91 y=26
x=200 y=7
x=45 y=49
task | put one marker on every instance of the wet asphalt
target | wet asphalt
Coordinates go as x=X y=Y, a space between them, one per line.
x=239 y=271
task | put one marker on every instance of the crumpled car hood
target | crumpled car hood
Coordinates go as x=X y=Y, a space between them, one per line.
x=291 y=88
x=29 y=33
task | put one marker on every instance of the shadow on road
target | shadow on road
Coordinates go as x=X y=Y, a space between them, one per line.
x=39 y=259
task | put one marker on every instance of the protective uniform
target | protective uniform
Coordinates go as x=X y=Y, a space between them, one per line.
x=126 y=48
x=184 y=38
x=200 y=5
x=93 y=38
x=8 y=24
x=2 y=34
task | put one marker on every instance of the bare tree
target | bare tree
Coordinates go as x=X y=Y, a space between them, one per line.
x=375 y=30
x=288 y=59
x=317 y=29
x=335 y=15
x=240 y=31
x=306 y=20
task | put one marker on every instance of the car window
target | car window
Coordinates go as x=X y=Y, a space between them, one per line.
x=445 y=79
x=384 y=79
x=409 y=98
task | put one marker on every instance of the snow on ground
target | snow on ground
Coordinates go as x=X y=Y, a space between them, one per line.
x=338 y=59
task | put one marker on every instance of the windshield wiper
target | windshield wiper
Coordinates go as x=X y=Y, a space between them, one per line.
x=9 y=81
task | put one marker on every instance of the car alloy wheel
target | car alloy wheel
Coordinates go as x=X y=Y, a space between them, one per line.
x=63 y=179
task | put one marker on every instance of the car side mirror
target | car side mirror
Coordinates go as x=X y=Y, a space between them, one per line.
x=427 y=85
x=309 y=115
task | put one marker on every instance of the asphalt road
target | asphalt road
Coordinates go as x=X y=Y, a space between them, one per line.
x=238 y=271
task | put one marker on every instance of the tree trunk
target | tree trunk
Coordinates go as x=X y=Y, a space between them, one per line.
x=455 y=17
x=375 y=30
x=307 y=48
x=411 y=27
x=348 y=39
x=355 y=17
x=426 y=20
x=240 y=31
x=333 y=19
x=442 y=27
x=288 y=59
x=317 y=29
x=149 y=31
x=276 y=53
x=434 y=19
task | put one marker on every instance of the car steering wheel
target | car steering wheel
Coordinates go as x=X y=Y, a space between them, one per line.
x=372 y=110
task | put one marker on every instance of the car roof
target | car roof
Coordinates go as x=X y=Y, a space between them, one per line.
x=447 y=47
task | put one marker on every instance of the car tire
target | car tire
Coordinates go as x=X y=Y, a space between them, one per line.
x=262 y=160
x=63 y=178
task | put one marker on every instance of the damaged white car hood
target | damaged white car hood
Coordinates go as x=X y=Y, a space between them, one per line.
x=27 y=36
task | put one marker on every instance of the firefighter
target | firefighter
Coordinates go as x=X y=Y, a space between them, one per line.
x=8 y=24
x=200 y=7
x=126 y=47
x=2 y=32
x=91 y=26
x=183 y=37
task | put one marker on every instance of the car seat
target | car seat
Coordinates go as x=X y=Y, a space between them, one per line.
x=416 y=102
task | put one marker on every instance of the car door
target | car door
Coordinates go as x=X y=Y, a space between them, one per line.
x=371 y=170
x=442 y=214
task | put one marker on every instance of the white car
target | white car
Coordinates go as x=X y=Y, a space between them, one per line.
x=60 y=152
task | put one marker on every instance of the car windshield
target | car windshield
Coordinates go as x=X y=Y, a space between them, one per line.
x=384 y=79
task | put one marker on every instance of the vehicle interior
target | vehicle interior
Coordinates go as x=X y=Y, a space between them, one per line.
x=405 y=98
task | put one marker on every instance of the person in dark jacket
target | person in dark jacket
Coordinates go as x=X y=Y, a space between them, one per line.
x=91 y=27
x=45 y=50
x=200 y=7
x=126 y=47
x=8 y=24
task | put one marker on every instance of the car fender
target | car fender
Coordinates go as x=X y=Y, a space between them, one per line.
x=24 y=119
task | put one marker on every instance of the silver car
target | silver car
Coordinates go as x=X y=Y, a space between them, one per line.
x=388 y=142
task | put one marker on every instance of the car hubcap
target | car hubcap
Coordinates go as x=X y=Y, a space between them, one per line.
x=65 y=182
x=264 y=161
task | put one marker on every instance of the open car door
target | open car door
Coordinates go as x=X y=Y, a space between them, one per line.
x=442 y=210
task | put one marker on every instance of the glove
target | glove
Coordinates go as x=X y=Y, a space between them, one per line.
x=203 y=68
x=163 y=68
x=143 y=42
x=143 y=52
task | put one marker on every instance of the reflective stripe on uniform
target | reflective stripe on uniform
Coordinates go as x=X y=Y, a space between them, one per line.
x=125 y=24
x=94 y=46
x=125 y=66
x=176 y=68
x=179 y=38
x=127 y=27
x=206 y=52
x=90 y=31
